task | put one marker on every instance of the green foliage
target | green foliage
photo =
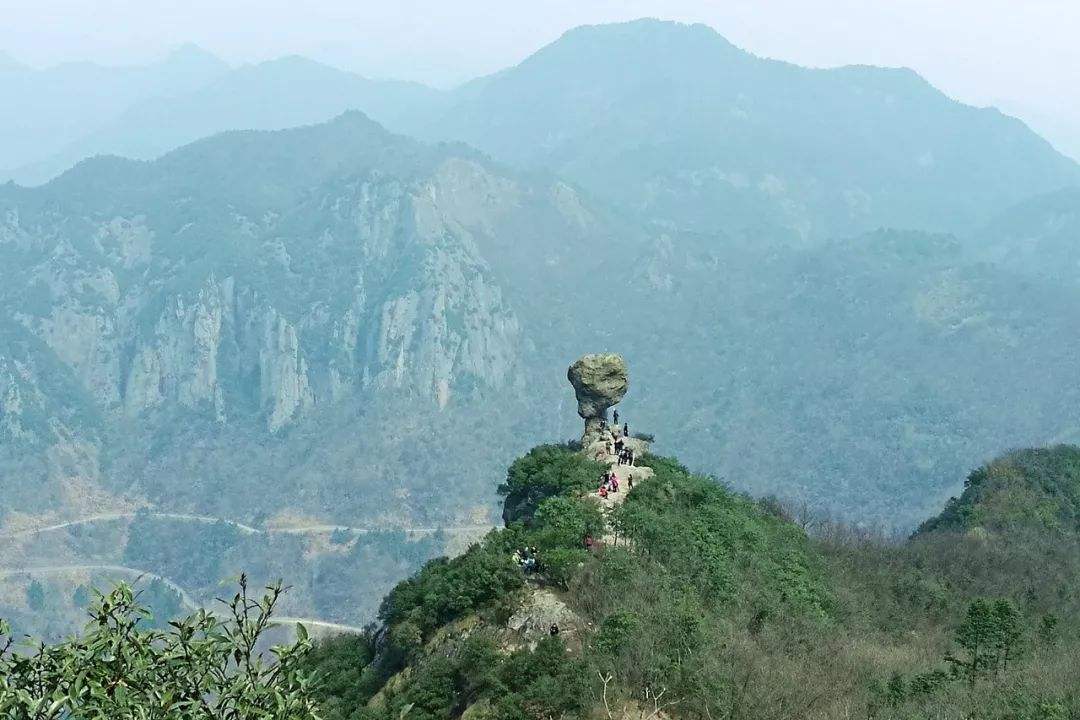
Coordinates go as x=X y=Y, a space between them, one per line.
x=35 y=596
x=542 y=683
x=545 y=471
x=989 y=636
x=202 y=668
x=1037 y=488
x=616 y=632
x=336 y=666
x=447 y=589
x=716 y=540
x=559 y=565
x=563 y=522
x=1048 y=632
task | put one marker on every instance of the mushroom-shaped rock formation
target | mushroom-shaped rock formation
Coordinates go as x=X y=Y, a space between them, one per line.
x=599 y=381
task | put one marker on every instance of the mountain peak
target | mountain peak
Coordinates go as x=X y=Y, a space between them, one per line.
x=646 y=34
x=650 y=27
x=189 y=55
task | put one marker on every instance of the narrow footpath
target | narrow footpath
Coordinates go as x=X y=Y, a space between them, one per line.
x=628 y=476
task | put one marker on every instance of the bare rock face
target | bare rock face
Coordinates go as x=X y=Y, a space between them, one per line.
x=534 y=620
x=599 y=381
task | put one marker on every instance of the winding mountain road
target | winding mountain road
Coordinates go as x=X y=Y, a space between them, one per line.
x=309 y=623
x=313 y=529
x=113 y=517
x=185 y=597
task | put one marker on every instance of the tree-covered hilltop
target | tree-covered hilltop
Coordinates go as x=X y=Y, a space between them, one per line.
x=704 y=603
x=1032 y=488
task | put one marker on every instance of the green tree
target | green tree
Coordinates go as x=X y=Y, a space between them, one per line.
x=545 y=471
x=35 y=596
x=1048 y=629
x=990 y=635
x=1008 y=629
x=976 y=635
x=204 y=667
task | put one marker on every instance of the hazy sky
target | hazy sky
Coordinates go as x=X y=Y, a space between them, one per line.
x=1022 y=55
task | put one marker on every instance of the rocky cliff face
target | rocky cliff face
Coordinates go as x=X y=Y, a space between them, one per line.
x=421 y=314
x=364 y=283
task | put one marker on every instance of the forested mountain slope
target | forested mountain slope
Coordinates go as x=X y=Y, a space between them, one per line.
x=711 y=604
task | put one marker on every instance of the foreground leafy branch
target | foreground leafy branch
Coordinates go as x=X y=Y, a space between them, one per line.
x=203 y=666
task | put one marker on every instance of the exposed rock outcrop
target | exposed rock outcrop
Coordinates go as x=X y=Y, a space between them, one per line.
x=600 y=381
x=536 y=616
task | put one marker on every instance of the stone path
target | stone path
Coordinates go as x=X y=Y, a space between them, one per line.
x=598 y=451
x=311 y=529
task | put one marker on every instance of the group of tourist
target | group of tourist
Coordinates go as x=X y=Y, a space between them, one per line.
x=526 y=559
x=621 y=449
x=609 y=483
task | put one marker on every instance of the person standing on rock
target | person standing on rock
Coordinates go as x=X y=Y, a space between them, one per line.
x=615 y=417
x=626 y=430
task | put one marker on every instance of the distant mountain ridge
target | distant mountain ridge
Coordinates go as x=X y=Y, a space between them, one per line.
x=273 y=95
x=677 y=124
x=671 y=122
x=46 y=109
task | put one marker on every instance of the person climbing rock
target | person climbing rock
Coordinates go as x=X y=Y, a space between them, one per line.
x=554 y=630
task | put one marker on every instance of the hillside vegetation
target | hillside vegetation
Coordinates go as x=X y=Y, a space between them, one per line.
x=713 y=605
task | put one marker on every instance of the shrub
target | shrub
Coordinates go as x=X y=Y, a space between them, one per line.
x=543 y=472
x=202 y=668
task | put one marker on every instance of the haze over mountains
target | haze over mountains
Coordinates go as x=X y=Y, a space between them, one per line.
x=838 y=286
x=46 y=110
x=189 y=96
